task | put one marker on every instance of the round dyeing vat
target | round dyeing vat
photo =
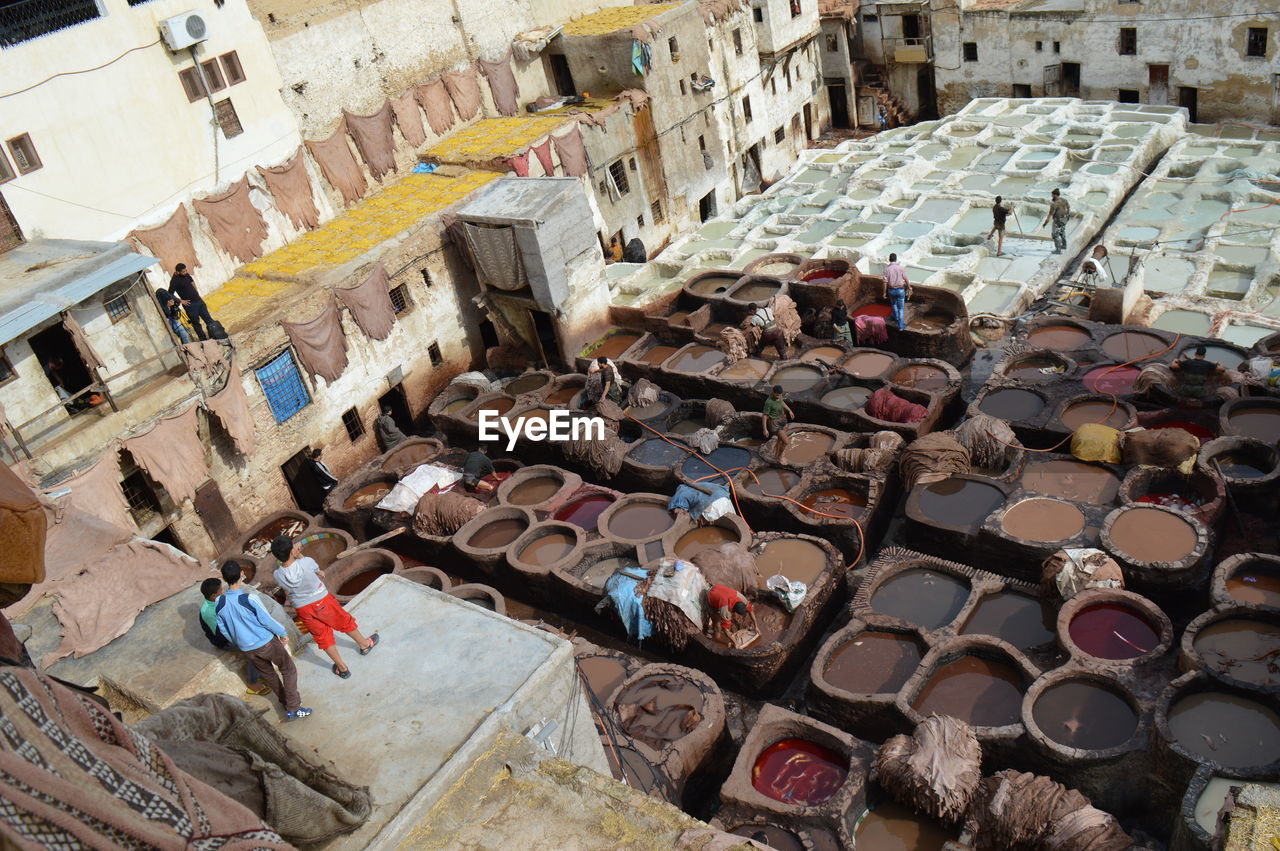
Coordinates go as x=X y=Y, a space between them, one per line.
x=362 y=580
x=603 y=673
x=770 y=481
x=712 y=285
x=930 y=321
x=867 y=364
x=1242 y=649
x=1030 y=368
x=702 y=538
x=1094 y=412
x=547 y=549
x=498 y=534
x=796 y=559
x=873 y=309
x=1010 y=403
x=747 y=369
x=535 y=490
x=499 y=407
x=832 y=503
x=774 y=837
x=1074 y=480
x=796 y=379
x=1131 y=345
x=727 y=459
x=828 y=354
x=1237 y=465
x=657 y=354
x=893 y=827
x=648 y=412
x=663 y=709
x=657 y=452
x=921 y=376
x=1150 y=535
x=369 y=495
x=1043 y=520
x=564 y=395
x=1060 y=338
x=806 y=446
x=1114 y=380
x=756 y=291
x=696 y=359
x=1085 y=714
x=411 y=455
x=821 y=276
x=926 y=598
x=612 y=347
x=686 y=427
x=873 y=663
x=456 y=405
x=798 y=772
x=1019 y=619
x=1259 y=422
x=960 y=502
x=1255 y=583
x=584 y=512
x=640 y=520
x=1201 y=433
x=536 y=380
x=847 y=398
x=1112 y=631
x=979 y=691
x=1228 y=729
x=324 y=548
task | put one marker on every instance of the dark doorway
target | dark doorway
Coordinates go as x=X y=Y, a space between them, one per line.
x=910 y=26
x=488 y=334
x=399 y=403
x=1187 y=99
x=561 y=75
x=1021 y=90
x=215 y=515
x=545 y=329
x=303 y=483
x=928 y=109
x=707 y=207
x=168 y=536
x=1158 y=84
x=60 y=360
x=808 y=122
x=1071 y=79
x=838 y=94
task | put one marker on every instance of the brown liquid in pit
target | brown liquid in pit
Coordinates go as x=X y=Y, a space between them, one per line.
x=747 y=369
x=1235 y=465
x=1019 y=619
x=1259 y=422
x=658 y=354
x=835 y=503
x=981 y=692
x=1233 y=731
x=1043 y=520
x=772 y=481
x=796 y=559
x=1085 y=413
x=411 y=455
x=1085 y=714
x=659 y=710
x=1149 y=534
x=456 y=405
x=1010 y=403
x=1243 y=649
x=1128 y=345
x=613 y=347
x=927 y=598
x=640 y=520
x=960 y=502
x=686 y=427
x=368 y=495
x=704 y=537
x=534 y=381
x=535 y=490
x=847 y=398
x=647 y=412
x=596 y=575
x=806 y=446
x=1069 y=479
x=710 y=285
x=930 y=321
x=893 y=827
x=775 y=837
x=921 y=376
x=498 y=534
x=873 y=663
x=361 y=581
x=756 y=291
x=548 y=549
x=499 y=406
x=830 y=354
x=1029 y=368
x=796 y=379
x=1061 y=338
x=603 y=675
x=697 y=359
x=324 y=549
x=867 y=364
x=1254 y=584
x=563 y=396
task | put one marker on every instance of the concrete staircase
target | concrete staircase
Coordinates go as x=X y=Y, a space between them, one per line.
x=871 y=82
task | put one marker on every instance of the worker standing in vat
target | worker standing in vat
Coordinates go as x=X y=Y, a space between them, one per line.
x=726 y=604
x=777 y=413
x=896 y=290
x=603 y=382
x=183 y=287
x=770 y=334
x=319 y=612
x=476 y=466
x=999 y=215
x=1059 y=212
x=1194 y=373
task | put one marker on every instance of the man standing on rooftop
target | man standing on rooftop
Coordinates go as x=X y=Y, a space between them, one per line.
x=1059 y=212
x=183 y=287
x=896 y=290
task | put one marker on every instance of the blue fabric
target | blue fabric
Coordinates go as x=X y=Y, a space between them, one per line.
x=621 y=589
x=695 y=501
x=641 y=57
x=424 y=168
x=243 y=620
x=178 y=329
x=282 y=385
x=898 y=300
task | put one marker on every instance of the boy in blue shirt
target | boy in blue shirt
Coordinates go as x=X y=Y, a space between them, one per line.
x=211 y=590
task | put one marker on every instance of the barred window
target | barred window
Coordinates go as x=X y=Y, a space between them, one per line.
x=118 y=308
x=619 y=174
x=232 y=68
x=400 y=299
x=143 y=504
x=23 y=20
x=656 y=210
x=24 y=154
x=355 y=428
x=433 y=352
x=282 y=384
x=227 y=119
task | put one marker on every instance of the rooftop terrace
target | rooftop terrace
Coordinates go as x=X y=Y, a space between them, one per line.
x=606 y=21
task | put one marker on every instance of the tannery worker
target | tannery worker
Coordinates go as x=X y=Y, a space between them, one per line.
x=1059 y=213
x=897 y=287
x=777 y=413
x=770 y=334
x=725 y=603
x=183 y=288
x=603 y=382
x=1194 y=373
x=999 y=215
x=476 y=466
x=840 y=323
x=385 y=429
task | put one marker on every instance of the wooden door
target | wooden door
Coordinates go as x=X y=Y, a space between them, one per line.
x=1158 y=84
x=215 y=514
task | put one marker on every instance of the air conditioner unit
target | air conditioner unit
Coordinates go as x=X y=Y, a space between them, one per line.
x=182 y=31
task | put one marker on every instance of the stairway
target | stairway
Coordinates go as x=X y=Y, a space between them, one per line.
x=871 y=81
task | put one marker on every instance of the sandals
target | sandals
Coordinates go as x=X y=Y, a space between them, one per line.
x=344 y=674
x=373 y=642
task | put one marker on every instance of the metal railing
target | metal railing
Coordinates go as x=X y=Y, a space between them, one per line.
x=23 y=20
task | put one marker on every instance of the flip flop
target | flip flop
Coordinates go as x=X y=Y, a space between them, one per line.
x=260 y=690
x=373 y=642
x=344 y=674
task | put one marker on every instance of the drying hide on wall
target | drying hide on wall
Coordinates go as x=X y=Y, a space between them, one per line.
x=97 y=490
x=373 y=138
x=519 y=164
x=171 y=241
x=231 y=406
x=502 y=84
x=370 y=304
x=543 y=153
x=409 y=117
x=496 y=255
x=172 y=455
x=464 y=91
x=81 y=341
x=235 y=222
x=572 y=152
x=339 y=167
x=203 y=356
x=320 y=343
x=290 y=185
x=434 y=97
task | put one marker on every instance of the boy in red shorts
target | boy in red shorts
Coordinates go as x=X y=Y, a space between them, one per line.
x=319 y=612
x=724 y=603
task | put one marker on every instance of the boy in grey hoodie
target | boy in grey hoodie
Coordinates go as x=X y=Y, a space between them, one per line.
x=319 y=612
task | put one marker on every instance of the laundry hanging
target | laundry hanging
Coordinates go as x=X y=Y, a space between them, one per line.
x=434 y=97
x=171 y=241
x=320 y=343
x=172 y=455
x=409 y=117
x=502 y=84
x=372 y=135
x=370 y=303
x=641 y=57
x=464 y=91
x=290 y=185
x=339 y=166
x=572 y=152
x=236 y=224
x=231 y=406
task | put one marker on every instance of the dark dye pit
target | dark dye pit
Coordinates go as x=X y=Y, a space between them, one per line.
x=1112 y=631
x=927 y=598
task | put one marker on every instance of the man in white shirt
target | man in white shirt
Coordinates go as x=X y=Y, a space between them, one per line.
x=896 y=290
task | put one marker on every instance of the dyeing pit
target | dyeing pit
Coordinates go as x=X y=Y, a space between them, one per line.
x=874 y=662
x=1112 y=380
x=456 y=405
x=1019 y=619
x=498 y=406
x=1011 y=403
x=774 y=837
x=1150 y=535
x=847 y=398
x=686 y=427
x=893 y=827
x=612 y=347
x=324 y=547
x=830 y=354
x=1233 y=731
x=534 y=491
x=806 y=446
x=411 y=454
x=1112 y=631
x=979 y=691
x=874 y=309
x=798 y=772
x=1238 y=465
x=697 y=359
x=835 y=502
x=1060 y=338
x=796 y=379
x=658 y=710
x=536 y=380
x=821 y=276
x=926 y=598
x=1025 y=369
x=1043 y=520
x=702 y=538
x=369 y=495
x=1085 y=714
x=598 y=573
x=728 y=459
x=1259 y=422
x=1131 y=345
x=867 y=364
x=1070 y=479
x=1256 y=584
x=756 y=291
x=1243 y=649
x=931 y=321
x=647 y=412
x=639 y=521
x=657 y=452
x=498 y=534
x=656 y=355
x=960 y=502
x=1095 y=411
x=603 y=674
x=711 y=285
x=258 y=542
x=770 y=481
x=361 y=581
x=1201 y=433
x=796 y=559
x=584 y=512
x=564 y=395
x=747 y=369
x=921 y=376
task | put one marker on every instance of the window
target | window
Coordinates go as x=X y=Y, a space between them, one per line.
x=786 y=73
x=773 y=86
x=213 y=75
x=746 y=108
x=1128 y=41
x=231 y=68
x=1021 y=90
x=24 y=154
x=10 y=233
x=433 y=352
x=757 y=15
x=970 y=51
x=21 y=22
x=227 y=119
x=143 y=504
x=737 y=42
x=355 y=428
x=795 y=8
x=1127 y=95
x=1057 y=47
x=655 y=210
x=6 y=369
x=779 y=134
x=631 y=163
x=282 y=385
x=191 y=84
x=6 y=170
x=673 y=47
x=870 y=19
x=702 y=143
x=118 y=308
x=1257 y=42
x=640 y=220
x=400 y=301
x=1039 y=46
x=618 y=172
x=426 y=278
x=833 y=43
x=683 y=91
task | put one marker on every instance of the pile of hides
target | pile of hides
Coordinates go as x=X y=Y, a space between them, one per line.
x=730 y=564
x=705 y=440
x=990 y=441
x=718 y=412
x=864 y=460
x=933 y=458
x=1157 y=376
x=643 y=393
x=1174 y=448
x=1095 y=442
x=216 y=738
x=734 y=345
x=673 y=604
x=1016 y=810
x=887 y=440
x=708 y=506
x=439 y=515
x=527 y=45
x=935 y=770
x=429 y=478
x=888 y=406
x=602 y=458
x=621 y=590
x=786 y=316
x=1070 y=571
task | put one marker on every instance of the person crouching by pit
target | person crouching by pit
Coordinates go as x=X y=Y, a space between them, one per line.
x=474 y=470
x=726 y=605
x=770 y=334
x=319 y=612
x=777 y=413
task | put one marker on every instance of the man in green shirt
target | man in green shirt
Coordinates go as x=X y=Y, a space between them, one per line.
x=776 y=415
x=1059 y=212
x=211 y=590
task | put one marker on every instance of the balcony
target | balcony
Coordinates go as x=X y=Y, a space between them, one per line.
x=909 y=51
x=23 y=20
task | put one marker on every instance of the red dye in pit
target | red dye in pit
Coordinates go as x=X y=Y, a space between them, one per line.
x=1175 y=501
x=1199 y=431
x=798 y=772
x=821 y=276
x=584 y=512
x=1111 y=379
x=881 y=310
x=1112 y=631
